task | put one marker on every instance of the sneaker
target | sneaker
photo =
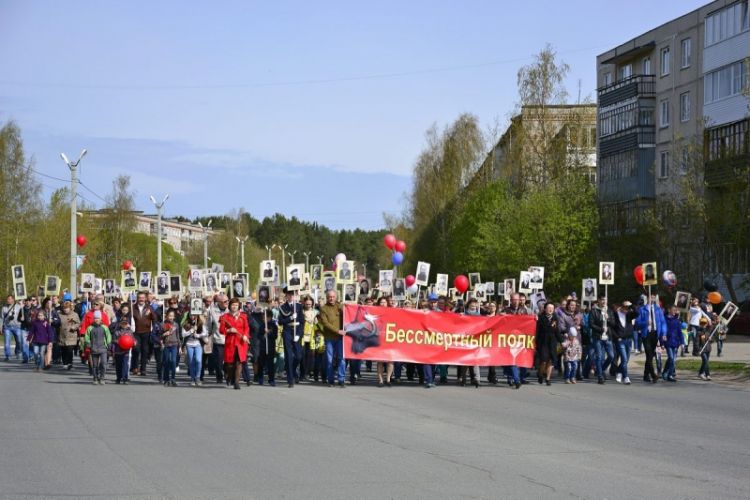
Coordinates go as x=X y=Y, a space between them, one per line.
x=173 y=383
x=708 y=377
x=573 y=381
x=193 y=384
x=272 y=383
x=341 y=385
x=199 y=383
x=600 y=381
x=101 y=382
x=567 y=381
x=618 y=378
x=94 y=382
x=703 y=376
x=626 y=381
x=126 y=382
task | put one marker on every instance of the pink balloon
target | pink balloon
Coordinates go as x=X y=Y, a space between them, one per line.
x=400 y=246
x=410 y=280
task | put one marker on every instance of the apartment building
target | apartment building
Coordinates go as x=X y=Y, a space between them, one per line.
x=662 y=96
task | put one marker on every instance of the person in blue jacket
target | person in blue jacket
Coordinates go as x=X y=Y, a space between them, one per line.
x=651 y=327
x=672 y=341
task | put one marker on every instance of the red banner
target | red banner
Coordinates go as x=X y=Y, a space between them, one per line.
x=430 y=337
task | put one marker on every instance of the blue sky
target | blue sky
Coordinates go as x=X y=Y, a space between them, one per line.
x=313 y=109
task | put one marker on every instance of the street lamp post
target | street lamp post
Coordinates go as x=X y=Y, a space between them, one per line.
x=291 y=256
x=73 y=166
x=364 y=269
x=269 y=248
x=205 y=242
x=307 y=261
x=320 y=259
x=242 y=241
x=159 y=207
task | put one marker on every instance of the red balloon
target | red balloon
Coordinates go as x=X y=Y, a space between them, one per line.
x=389 y=241
x=81 y=240
x=409 y=280
x=126 y=342
x=461 y=283
x=127 y=264
x=638 y=274
x=400 y=246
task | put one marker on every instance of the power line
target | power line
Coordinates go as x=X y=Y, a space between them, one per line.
x=284 y=83
x=91 y=191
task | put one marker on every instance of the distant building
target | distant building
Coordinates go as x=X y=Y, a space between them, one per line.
x=527 y=153
x=179 y=234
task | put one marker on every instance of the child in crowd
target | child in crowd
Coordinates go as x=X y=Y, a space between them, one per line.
x=122 y=356
x=98 y=339
x=572 y=355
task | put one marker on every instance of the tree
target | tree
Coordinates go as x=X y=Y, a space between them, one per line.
x=443 y=169
x=112 y=228
x=20 y=199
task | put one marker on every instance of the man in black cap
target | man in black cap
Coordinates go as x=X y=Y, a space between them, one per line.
x=292 y=322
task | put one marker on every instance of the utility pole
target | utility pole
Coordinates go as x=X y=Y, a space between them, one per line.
x=205 y=242
x=269 y=248
x=159 y=207
x=73 y=166
x=242 y=241
x=320 y=259
x=291 y=256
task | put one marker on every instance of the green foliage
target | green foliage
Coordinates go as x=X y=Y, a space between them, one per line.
x=499 y=235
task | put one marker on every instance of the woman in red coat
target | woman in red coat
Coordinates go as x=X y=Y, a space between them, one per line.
x=233 y=325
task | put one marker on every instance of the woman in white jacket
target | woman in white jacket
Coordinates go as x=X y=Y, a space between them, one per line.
x=194 y=333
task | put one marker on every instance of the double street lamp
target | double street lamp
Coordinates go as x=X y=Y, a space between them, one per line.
x=73 y=166
x=242 y=241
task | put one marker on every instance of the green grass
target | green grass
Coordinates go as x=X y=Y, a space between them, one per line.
x=716 y=366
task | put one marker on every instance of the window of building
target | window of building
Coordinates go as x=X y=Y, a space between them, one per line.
x=607 y=78
x=664 y=164
x=646 y=66
x=618 y=166
x=685 y=107
x=725 y=82
x=684 y=160
x=664 y=113
x=665 y=61
x=686 y=53
x=727 y=141
x=727 y=22
x=626 y=71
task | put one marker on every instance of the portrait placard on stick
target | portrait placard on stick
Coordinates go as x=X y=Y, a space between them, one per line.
x=606 y=273
x=423 y=273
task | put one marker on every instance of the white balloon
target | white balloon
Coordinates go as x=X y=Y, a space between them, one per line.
x=340 y=258
x=413 y=289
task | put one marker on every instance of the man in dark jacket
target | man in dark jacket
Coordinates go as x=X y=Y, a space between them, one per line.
x=620 y=323
x=144 y=318
x=292 y=321
x=600 y=337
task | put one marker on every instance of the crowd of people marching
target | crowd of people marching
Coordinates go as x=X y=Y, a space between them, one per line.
x=233 y=342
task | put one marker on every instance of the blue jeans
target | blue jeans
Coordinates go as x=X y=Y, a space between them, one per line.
x=15 y=332
x=570 y=369
x=427 y=370
x=602 y=347
x=669 y=368
x=194 y=360
x=335 y=353
x=704 y=363
x=623 y=349
x=637 y=342
x=589 y=356
x=40 y=350
x=512 y=374
x=169 y=363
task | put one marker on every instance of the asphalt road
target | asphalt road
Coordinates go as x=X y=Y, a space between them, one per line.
x=62 y=437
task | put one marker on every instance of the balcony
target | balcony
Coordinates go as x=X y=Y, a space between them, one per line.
x=634 y=86
x=727 y=171
x=631 y=138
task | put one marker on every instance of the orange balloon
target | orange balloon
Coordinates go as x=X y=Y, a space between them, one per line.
x=714 y=297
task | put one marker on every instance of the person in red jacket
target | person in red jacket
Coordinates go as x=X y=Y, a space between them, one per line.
x=88 y=318
x=233 y=325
